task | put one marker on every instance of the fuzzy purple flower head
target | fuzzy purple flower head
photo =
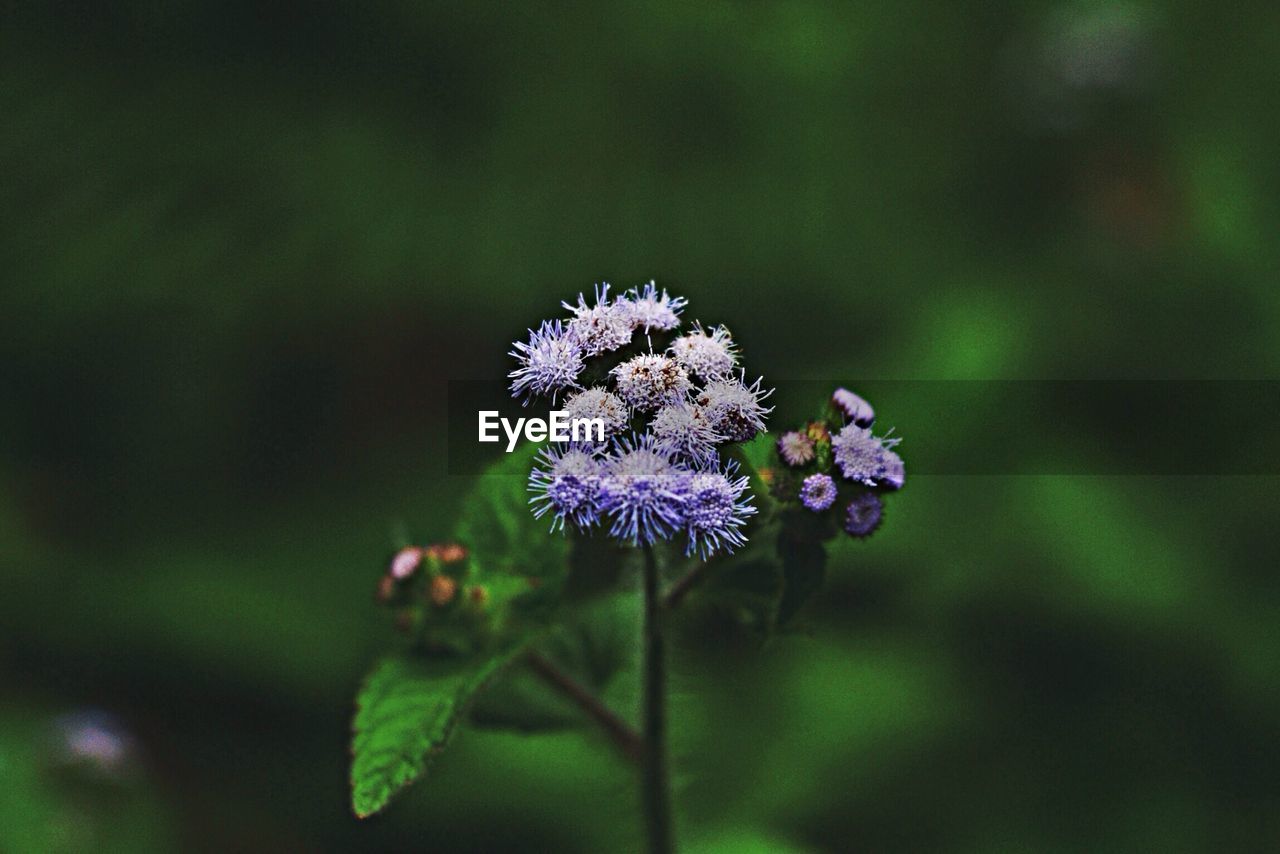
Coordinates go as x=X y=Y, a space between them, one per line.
x=547 y=364
x=855 y=409
x=566 y=483
x=649 y=310
x=863 y=515
x=601 y=327
x=867 y=459
x=715 y=511
x=642 y=492
x=795 y=448
x=818 y=492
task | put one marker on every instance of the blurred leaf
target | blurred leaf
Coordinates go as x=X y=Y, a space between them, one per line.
x=498 y=527
x=758 y=453
x=406 y=711
x=54 y=798
x=29 y=810
x=754 y=457
x=741 y=840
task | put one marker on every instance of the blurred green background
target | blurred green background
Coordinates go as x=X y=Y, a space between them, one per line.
x=246 y=245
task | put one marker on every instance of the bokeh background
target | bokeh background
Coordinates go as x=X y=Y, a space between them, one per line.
x=246 y=245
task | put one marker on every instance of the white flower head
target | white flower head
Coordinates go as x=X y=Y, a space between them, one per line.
x=706 y=355
x=597 y=403
x=735 y=408
x=683 y=430
x=601 y=327
x=649 y=381
x=650 y=310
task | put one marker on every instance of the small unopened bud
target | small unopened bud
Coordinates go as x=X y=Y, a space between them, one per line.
x=478 y=596
x=386 y=588
x=451 y=553
x=818 y=432
x=857 y=410
x=766 y=476
x=443 y=589
x=405 y=562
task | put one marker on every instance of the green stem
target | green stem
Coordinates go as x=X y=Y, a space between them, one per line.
x=626 y=739
x=655 y=785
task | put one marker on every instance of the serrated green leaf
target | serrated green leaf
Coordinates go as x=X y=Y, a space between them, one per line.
x=405 y=712
x=498 y=527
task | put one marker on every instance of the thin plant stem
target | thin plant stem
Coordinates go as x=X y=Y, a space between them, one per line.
x=624 y=737
x=680 y=587
x=655 y=782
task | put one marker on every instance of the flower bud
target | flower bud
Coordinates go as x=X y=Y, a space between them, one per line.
x=443 y=588
x=386 y=589
x=855 y=409
x=405 y=562
x=451 y=552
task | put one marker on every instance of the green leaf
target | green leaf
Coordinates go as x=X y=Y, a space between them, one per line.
x=753 y=457
x=498 y=527
x=758 y=453
x=405 y=712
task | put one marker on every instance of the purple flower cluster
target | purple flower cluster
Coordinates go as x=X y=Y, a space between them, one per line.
x=555 y=354
x=643 y=495
x=684 y=402
x=812 y=459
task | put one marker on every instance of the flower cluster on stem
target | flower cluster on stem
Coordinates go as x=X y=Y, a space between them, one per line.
x=667 y=414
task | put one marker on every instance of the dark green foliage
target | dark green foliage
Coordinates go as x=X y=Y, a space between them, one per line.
x=746 y=588
x=593 y=643
x=804 y=564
